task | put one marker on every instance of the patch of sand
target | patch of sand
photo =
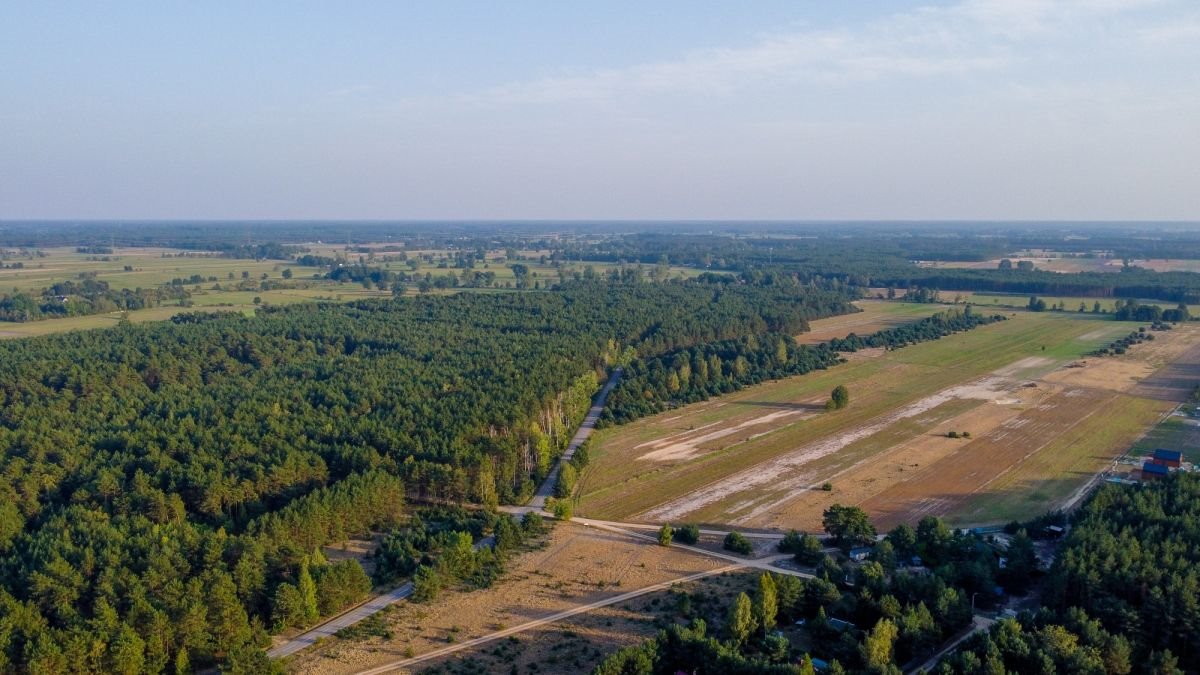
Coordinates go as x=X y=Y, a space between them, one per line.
x=670 y=450
x=803 y=508
x=785 y=469
x=578 y=565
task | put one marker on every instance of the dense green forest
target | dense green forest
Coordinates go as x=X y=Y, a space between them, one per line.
x=710 y=369
x=165 y=488
x=1123 y=595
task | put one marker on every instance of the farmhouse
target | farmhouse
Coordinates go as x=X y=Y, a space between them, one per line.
x=1152 y=471
x=1171 y=458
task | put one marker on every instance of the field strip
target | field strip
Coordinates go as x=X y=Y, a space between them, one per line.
x=771 y=471
x=557 y=616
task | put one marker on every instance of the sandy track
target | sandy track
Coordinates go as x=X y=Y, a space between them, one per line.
x=782 y=471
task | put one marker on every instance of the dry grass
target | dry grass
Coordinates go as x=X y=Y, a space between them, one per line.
x=579 y=565
x=1030 y=447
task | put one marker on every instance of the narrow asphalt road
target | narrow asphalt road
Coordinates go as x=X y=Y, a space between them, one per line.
x=589 y=423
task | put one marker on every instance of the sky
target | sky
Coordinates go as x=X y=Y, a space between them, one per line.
x=696 y=109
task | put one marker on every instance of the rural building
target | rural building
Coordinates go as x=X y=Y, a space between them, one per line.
x=860 y=554
x=1171 y=458
x=1152 y=471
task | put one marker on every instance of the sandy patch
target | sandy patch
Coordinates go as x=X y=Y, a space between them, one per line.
x=785 y=470
x=670 y=450
x=1027 y=363
x=873 y=475
x=579 y=565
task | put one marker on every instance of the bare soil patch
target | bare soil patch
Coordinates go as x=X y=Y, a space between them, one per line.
x=577 y=566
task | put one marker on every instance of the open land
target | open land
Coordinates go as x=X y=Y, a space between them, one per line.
x=1071 y=264
x=1043 y=421
x=151 y=267
x=877 y=315
x=578 y=565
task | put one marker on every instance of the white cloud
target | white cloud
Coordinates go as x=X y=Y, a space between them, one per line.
x=930 y=41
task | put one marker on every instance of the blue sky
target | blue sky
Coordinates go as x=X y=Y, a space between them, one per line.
x=987 y=109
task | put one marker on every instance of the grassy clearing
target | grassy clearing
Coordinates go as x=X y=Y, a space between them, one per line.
x=1046 y=479
x=877 y=315
x=618 y=485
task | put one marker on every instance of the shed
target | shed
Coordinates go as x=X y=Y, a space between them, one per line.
x=1152 y=471
x=1171 y=458
x=860 y=554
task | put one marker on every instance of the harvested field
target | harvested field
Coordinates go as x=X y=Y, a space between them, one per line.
x=1038 y=431
x=579 y=565
x=877 y=315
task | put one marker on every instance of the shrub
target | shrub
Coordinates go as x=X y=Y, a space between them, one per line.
x=736 y=542
x=688 y=534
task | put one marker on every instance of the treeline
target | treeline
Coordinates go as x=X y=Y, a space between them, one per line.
x=930 y=328
x=1123 y=596
x=685 y=376
x=84 y=297
x=865 y=257
x=173 y=482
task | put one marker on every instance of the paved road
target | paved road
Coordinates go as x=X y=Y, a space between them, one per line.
x=589 y=423
x=558 y=616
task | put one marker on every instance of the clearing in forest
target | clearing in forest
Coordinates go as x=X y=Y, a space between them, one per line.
x=876 y=315
x=579 y=565
x=1042 y=418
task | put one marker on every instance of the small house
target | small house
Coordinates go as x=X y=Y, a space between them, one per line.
x=819 y=664
x=860 y=554
x=1171 y=458
x=1152 y=471
x=1055 y=531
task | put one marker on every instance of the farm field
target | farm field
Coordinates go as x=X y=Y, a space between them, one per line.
x=152 y=267
x=1042 y=423
x=877 y=315
x=1070 y=303
x=1072 y=265
x=578 y=565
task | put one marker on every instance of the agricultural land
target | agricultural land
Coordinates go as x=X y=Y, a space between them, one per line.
x=1041 y=419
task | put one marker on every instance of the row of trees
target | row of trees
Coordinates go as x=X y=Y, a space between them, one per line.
x=84 y=297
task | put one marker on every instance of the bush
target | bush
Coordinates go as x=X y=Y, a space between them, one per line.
x=734 y=541
x=688 y=534
x=562 y=509
x=664 y=535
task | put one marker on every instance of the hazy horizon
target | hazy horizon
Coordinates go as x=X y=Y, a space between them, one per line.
x=970 y=111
